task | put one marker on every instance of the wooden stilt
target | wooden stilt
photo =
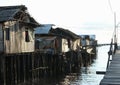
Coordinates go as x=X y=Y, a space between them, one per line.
x=4 y=69
x=15 y=69
x=33 y=67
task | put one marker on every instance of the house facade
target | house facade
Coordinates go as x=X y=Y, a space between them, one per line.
x=73 y=41
x=47 y=39
x=16 y=30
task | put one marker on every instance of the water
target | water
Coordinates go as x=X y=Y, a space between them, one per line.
x=87 y=75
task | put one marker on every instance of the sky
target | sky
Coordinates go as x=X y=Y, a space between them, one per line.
x=79 y=16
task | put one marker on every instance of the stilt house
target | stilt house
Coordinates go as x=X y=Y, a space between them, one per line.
x=89 y=43
x=73 y=40
x=47 y=39
x=16 y=30
x=88 y=40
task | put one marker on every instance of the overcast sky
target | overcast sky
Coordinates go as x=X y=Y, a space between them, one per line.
x=79 y=16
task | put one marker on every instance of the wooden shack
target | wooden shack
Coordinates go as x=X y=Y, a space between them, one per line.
x=74 y=41
x=46 y=40
x=16 y=29
x=89 y=43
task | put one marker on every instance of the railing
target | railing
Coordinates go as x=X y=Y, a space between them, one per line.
x=111 y=51
x=97 y=45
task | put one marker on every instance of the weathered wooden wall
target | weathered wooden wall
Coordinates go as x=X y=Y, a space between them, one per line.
x=16 y=42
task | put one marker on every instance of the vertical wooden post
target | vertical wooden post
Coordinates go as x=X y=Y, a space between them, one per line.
x=4 y=68
x=29 y=66
x=18 y=68
x=42 y=59
x=24 y=67
x=32 y=67
x=15 y=68
x=39 y=66
x=30 y=70
x=12 y=70
x=0 y=71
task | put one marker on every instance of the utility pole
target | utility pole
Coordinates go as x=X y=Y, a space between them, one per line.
x=115 y=29
x=115 y=39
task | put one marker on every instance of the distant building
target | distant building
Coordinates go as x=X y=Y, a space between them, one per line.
x=16 y=30
x=90 y=36
x=72 y=38
x=88 y=40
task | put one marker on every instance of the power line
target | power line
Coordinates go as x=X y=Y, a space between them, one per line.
x=114 y=32
x=110 y=6
x=112 y=12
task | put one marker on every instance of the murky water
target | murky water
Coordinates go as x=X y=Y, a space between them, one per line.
x=87 y=75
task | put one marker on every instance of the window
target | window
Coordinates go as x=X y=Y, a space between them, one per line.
x=16 y=27
x=27 y=39
x=7 y=33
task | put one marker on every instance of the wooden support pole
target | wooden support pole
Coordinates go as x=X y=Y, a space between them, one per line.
x=12 y=70
x=108 y=61
x=33 y=67
x=24 y=68
x=4 y=69
x=18 y=68
x=15 y=68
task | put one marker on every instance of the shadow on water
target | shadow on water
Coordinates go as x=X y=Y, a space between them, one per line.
x=83 y=76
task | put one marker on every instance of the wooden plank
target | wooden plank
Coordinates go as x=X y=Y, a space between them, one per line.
x=100 y=72
x=112 y=71
x=112 y=76
x=110 y=82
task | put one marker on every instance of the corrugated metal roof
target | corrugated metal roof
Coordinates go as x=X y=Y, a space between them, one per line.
x=44 y=29
x=90 y=36
x=46 y=38
x=65 y=32
x=8 y=12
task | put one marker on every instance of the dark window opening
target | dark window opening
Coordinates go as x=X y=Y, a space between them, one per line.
x=27 y=39
x=16 y=28
x=7 y=34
